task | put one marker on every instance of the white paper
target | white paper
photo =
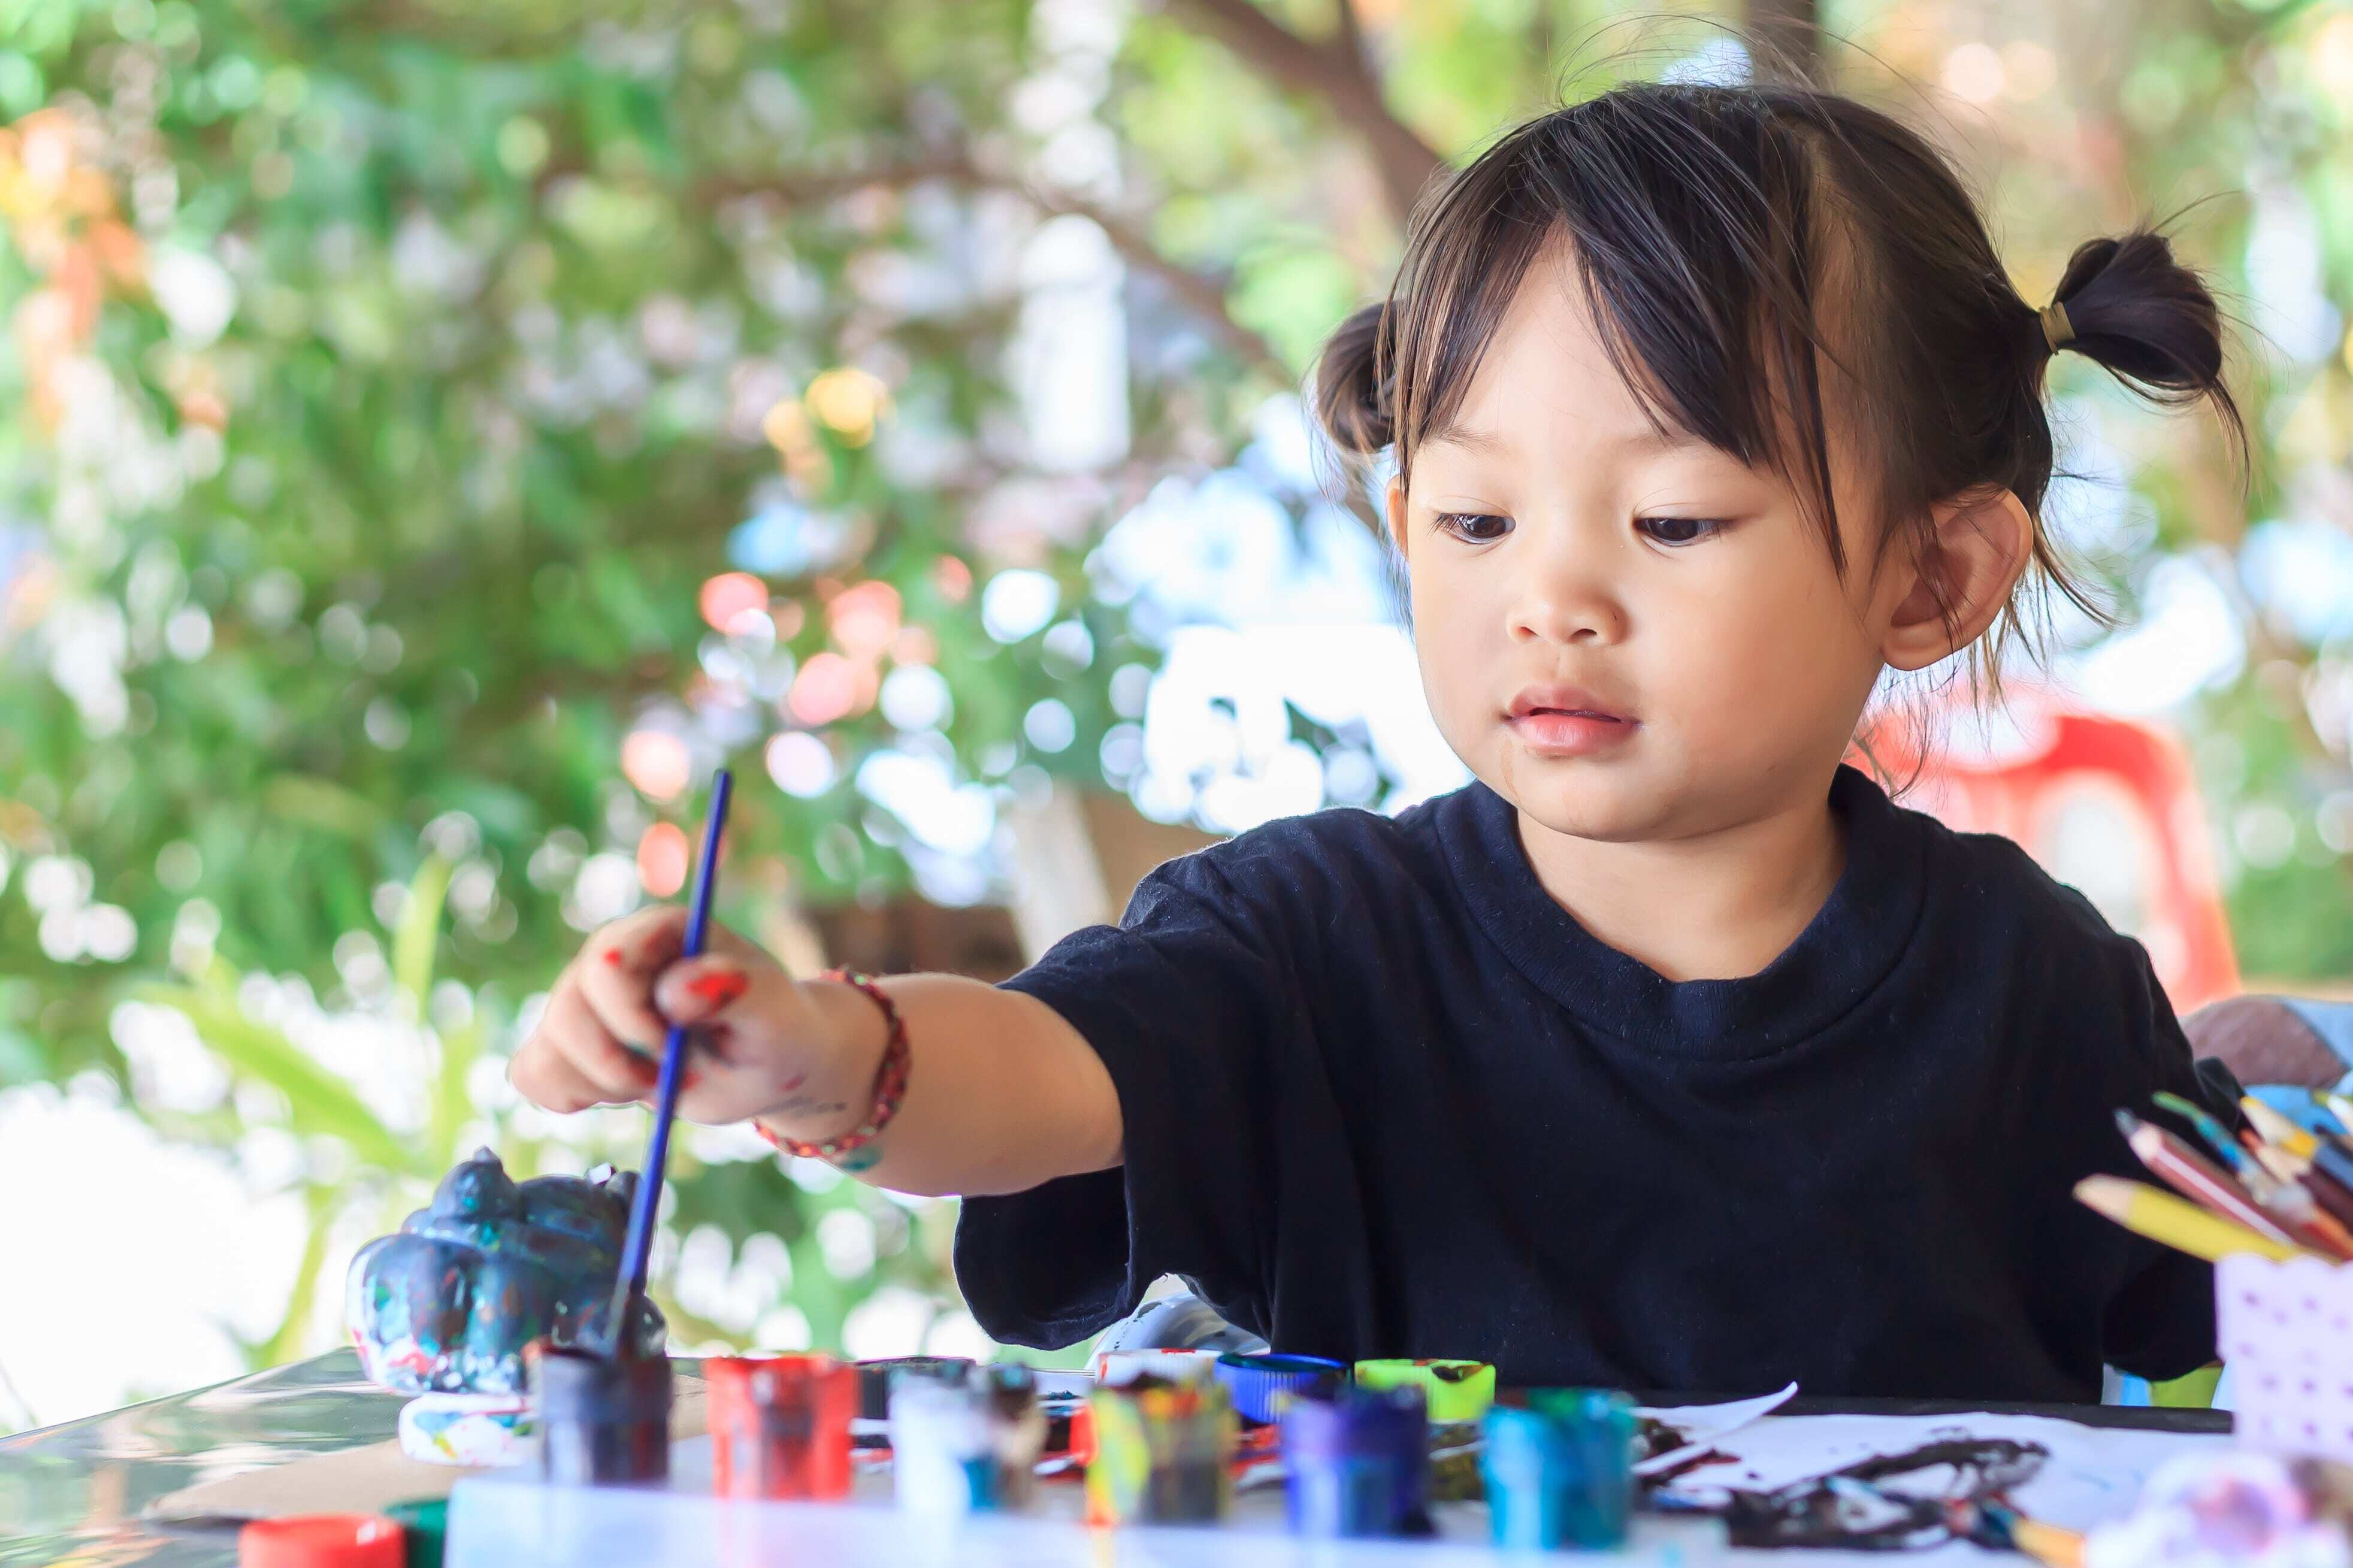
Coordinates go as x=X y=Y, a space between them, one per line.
x=2094 y=1474
x=1703 y=1425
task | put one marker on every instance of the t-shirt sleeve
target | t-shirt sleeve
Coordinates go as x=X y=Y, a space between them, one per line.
x=1188 y=1000
x=2160 y=1323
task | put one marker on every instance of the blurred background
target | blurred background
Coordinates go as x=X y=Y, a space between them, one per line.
x=435 y=436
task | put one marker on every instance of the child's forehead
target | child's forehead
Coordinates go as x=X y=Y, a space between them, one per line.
x=1548 y=371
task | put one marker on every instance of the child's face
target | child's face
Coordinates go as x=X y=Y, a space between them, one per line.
x=1627 y=636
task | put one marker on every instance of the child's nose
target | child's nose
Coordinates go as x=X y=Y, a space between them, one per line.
x=1564 y=599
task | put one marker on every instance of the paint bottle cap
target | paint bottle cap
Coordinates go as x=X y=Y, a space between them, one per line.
x=1457 y=1390
x=875 y=1378
x=323 y=1541
x=425 y=1520
x=1261 y=1384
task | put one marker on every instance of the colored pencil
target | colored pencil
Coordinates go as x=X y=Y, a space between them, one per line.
x=2176 y=1222
x=1999 y=1526
x=2276 y=1129
x=2332 y=1121
x=2209 y=1127
x=2196 y=1179
x=2340 y=1107
x=637 y=1249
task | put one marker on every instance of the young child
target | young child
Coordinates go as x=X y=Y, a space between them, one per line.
x=1669 y=1053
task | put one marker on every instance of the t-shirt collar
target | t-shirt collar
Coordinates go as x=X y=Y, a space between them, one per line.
x=1852 y=943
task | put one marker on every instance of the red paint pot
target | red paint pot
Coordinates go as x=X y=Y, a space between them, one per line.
x=323 y=1541
x=780 y=1424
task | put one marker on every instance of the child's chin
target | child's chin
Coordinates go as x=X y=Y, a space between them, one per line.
x=1607 y=811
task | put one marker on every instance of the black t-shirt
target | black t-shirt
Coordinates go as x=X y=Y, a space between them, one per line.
x=1384 y=1097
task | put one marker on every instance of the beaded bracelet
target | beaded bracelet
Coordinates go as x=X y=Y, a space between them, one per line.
x=889 y=1081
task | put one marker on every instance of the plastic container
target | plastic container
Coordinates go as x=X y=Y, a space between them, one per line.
x=780 y=1426
x=602 y=1420
x=1560 y=1470
x=1357 y=1462
x=1163 y=1453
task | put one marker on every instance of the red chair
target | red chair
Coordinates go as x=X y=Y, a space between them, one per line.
x=2106 y=804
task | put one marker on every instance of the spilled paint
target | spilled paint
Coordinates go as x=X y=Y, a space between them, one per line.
x=446 y=1303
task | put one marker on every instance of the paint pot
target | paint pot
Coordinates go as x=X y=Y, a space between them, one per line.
x=1456 y=1390
x=322 y=1540
x=877 y=1378
x=1115 y=1367
x=1560 y=1470
x=1261 y=1385
x=967 y=1448
x=426 y=1523
x=603 y=1421
x=1357 y=1462
x=1162 y=1453
x=780 y=1426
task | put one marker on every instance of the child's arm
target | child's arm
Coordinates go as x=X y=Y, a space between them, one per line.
x=1002 y=1093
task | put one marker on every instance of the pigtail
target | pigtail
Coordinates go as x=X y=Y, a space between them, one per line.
x=1355 y=381
x=2137 y=313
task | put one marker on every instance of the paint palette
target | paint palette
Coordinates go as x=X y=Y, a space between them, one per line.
x=497 y=1519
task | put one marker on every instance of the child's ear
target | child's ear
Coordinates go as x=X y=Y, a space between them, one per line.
x=1397 y=512
x=1963 y=565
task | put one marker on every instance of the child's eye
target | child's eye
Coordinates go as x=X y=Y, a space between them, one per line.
x=1475 y=527
x=1674 y=531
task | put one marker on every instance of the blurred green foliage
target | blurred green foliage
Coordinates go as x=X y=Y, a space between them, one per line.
x=389 y=380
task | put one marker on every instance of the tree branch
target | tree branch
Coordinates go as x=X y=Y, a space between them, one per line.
x=1202 y=294
x=1335 y=73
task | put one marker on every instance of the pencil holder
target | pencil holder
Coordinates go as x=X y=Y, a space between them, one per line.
x=2285 y=1331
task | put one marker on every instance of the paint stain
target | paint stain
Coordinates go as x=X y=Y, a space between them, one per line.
x=613 y=956
x=718 y=987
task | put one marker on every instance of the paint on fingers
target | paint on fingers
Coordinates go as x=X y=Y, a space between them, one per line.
x=717 y=989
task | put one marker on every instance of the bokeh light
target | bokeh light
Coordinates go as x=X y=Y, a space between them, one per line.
x=826 y=690
x=800 y=763
x=656 y=762
x=864 y=619
x=730 y=594
x=662 y=854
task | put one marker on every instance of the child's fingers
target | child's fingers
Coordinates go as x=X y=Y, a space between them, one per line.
x=592 y=1051
x=548 y=1081
x=616 y=971
x=699 y=990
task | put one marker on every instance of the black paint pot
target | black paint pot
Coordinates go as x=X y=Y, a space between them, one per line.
x=603 y=1421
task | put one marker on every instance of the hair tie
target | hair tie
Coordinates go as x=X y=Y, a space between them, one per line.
x=2058 y=331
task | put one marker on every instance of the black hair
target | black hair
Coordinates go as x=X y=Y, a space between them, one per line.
x=1707 y=223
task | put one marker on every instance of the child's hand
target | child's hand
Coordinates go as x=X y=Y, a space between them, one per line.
x=759 y=1035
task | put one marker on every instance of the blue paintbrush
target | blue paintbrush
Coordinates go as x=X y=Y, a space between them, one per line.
x=637 y=1248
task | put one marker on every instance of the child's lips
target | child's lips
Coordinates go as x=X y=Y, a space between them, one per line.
x=1563 y=732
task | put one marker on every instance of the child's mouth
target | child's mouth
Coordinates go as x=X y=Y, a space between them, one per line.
x=1569 y=731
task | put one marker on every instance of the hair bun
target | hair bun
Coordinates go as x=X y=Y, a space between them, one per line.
x=1354 y=378
x=2146 y=319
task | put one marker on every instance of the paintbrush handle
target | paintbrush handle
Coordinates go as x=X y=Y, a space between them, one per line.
x=637 y=1246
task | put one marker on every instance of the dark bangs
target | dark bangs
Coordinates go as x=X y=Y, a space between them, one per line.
x=1695 y=227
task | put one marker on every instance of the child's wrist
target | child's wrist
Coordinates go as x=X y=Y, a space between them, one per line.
x=831 y=1105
